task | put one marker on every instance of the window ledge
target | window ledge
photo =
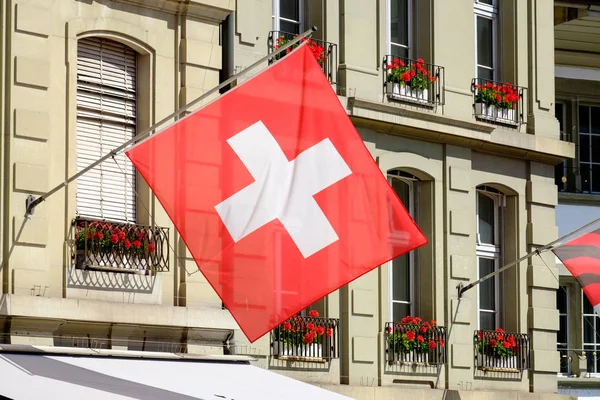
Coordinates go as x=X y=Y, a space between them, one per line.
x=579 y=198
x=215 y=9
x=442 y=129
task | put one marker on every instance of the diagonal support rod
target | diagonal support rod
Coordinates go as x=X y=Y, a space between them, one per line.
x=31 y=202
x=463 y=288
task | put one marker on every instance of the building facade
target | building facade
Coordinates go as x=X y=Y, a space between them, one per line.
x=468 y=140
x=578 y=112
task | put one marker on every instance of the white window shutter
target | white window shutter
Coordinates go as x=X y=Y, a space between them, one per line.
x=106 y=117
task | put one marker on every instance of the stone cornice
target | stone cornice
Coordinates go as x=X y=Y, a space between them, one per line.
x=212 y=10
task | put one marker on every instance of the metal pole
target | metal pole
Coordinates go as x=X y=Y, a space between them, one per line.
x=31 y=202
x=462 y=288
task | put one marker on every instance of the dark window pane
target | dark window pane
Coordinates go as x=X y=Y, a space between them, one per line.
x=399 y=22
x=289 y=9
x=562 y=333
x=584 y=119
x=486 y=218
x=487 y=321
x=290 y=27
x=401 y=278
x=559 y=172
x=595 y=111
x=490 y=2
x=595 y=178
x=561 y=300
x=399 y=51
x=559 y=113
x=400 y=311
x=485 y=73
x=584 y=169
x=402 y=190
x=590 y=360
x=584 y=148
x=595 y=148
x=588 y=329
x=587 y=306
x=485 y=44
x=487 y=288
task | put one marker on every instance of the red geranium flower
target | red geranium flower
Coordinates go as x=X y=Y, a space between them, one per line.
x=127 y=244
x=410 y=335
x=420 y=338
x=308 y=338
x=432 y=344
x=114 y=238
x=151 y=247
x=137 y=244
x=287 y=326
x=329 y=332
x=313 y=313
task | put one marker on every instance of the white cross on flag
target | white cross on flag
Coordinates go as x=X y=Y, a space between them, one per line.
x=275 y=195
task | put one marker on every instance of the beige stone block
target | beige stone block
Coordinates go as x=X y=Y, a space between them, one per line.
x=33 y=231
x=542 y=297
x=542 y=276
x=364 y=348
x=461 y=309
x=542 y=193
x=31 y=178
x=462 y=334
x=32 y=71
x=543 y=340
x=202 y=53
x=462 y=355
x=36 y=283
x=545 y=386
x=543 y=318
x=32 y=124
x=545 y=360
x=460 y=222
x=364 y=302
x=539 y=234
x=461 y=266
x=33 y=19
x=460 y=179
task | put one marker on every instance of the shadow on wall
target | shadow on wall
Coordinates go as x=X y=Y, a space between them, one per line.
x=110 y=281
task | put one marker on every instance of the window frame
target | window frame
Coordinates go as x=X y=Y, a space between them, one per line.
x=596 y=345
x=388 y=30
x=490 y=251
x=412 y=194
x=103 y=117
x=567 y=289
x=482 y=10
x=589 y=135
x=276 y=17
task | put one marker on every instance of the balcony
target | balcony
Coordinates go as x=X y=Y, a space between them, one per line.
x=413 y=81
x=310 y=339
x=415 y=343
x=501 y=351
x=325 y=52
x=498 y=103
x=119 y=247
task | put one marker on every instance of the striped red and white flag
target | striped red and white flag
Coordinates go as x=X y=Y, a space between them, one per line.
x=581 y=256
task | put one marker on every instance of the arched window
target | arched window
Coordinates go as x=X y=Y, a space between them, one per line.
x=489 y=254
x=106 y=117
x=402 y=269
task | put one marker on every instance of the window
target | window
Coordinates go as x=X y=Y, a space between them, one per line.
x=489 y=202
x=591 y=336
x=560 y=170
x=486 y=21
x=401 y=278
x=562 y=303
x=399 y=28
x=589 y=148
x=106 y=117
x=288 y=16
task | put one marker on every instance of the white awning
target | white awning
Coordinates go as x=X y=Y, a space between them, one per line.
x=26 y=375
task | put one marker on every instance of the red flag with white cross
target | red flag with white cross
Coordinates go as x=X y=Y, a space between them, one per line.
x=275 y=194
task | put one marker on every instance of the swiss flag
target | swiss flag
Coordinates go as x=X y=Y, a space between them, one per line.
x=275 y=195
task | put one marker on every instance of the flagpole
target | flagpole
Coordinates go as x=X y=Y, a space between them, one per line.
x=462 y=288
x=31 y=202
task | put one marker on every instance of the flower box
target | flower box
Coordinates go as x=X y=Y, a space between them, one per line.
x=491 y=112
x=409 y=358
x=404 y=92
x=498 y=363
x=313 y=350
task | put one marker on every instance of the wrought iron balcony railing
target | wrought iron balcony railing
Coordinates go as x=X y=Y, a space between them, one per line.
x=501 y=351
x=119 y=247
x=498 y=103
x=413 y=81
x=311 y=339
x=325 y=52
x=415 y=344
